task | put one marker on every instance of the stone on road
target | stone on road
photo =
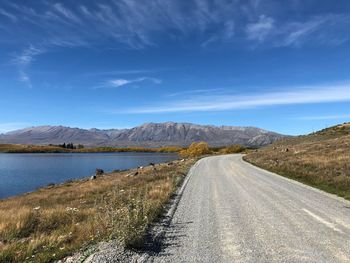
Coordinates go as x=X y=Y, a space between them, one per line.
x=232 y=211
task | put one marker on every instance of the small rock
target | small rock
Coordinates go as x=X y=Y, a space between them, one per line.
x=93 y=177
x=99 y=172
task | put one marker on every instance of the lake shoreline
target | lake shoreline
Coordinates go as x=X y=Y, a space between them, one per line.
x=86 y=178
x=25 y=172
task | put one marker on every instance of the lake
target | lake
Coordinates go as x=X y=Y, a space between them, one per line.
x=21 y=173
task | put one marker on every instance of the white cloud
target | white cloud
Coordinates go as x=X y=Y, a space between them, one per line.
x=139 y=24
x=60 y=9
x=260 y=30
x=23 y=76
x=24 y=60
x=122 y=82
x=327 y=29
x=300 y=31
x=291 y=96
x=296 y=33
x=28 y=55
x=132 y=23
x=324 y=117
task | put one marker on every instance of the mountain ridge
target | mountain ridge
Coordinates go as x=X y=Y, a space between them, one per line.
x=146 y=135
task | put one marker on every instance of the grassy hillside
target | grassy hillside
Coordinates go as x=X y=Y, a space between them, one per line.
x=53 y=222
x=321 y=159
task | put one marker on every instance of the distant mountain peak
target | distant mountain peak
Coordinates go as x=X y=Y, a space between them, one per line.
x=147 y=135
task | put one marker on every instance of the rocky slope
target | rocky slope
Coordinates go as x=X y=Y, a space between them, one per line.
x=146 y=135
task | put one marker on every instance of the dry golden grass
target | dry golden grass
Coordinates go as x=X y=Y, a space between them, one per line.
x=21 y=148
x=321 y=159
x=236 y=148
x=51 y=223
x=130 y=149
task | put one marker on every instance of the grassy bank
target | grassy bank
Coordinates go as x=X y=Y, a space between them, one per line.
x=194 y=149
x=52 y=223
x=20 y=148
x=321 y=159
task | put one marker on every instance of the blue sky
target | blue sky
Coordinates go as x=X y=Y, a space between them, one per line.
x=278 y=65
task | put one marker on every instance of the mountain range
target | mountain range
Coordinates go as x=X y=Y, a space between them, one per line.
x=146 y=135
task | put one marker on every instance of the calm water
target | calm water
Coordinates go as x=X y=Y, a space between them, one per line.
x=20 y=173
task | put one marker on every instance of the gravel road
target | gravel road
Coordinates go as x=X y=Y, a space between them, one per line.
x=231 y=211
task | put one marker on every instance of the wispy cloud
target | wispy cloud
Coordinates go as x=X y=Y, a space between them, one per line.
x=210 y=41
x=196 y=91
x=24 y=77
x=324 y=117
x=28 y=55
x=123 y=72
x=260 y=29
x=12 y=17
x=116 y=83
x=297 y=33
x=23 y=61
x=134 y=24
x=316 y=30
x=65 y=12
x=290 y=96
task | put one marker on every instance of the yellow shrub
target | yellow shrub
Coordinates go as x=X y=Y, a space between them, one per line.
x=196 y=149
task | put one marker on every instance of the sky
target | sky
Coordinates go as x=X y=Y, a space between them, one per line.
x=278 y=65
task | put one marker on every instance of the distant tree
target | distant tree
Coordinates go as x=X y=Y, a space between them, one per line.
x=70 y=146
x=80 y=146
x=67 y=146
